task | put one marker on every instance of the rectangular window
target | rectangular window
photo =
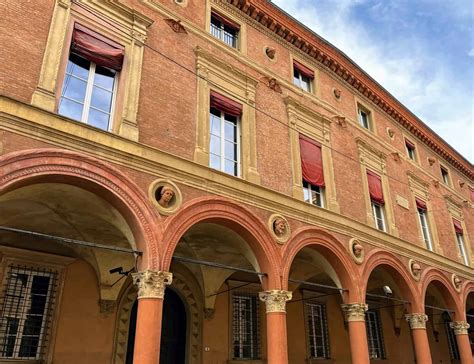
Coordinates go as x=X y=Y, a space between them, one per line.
x=364 y=118
x=245 y=326
x=90 y=82
x=312 y=171
x=445 y=175
x=317 y=331
x=453 y=345
x=376 y=199
x=374 y=335
x=302 y=76
x=423 y=218
x=27 y=307
x=410 y=150
x=225 y=30
x=460 y=240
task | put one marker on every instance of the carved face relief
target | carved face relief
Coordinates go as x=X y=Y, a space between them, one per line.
x=457 y=282
x=357 y=249
x=337 y=93
x=416 y=269
x=167 y=194
x=279 y=227
x=270 y=52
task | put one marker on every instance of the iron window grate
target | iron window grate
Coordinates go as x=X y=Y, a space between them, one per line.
x=26 y=303
x=317 y=330
x=374 y=335
x=245 y=326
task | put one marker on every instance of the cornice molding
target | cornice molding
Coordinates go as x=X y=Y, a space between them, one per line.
x=330 y=58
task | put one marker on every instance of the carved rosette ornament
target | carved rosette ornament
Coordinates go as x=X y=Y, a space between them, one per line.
x=275 y=300
x=460 y=327
x=417 y=320
x=354 y=311
x=152 y=284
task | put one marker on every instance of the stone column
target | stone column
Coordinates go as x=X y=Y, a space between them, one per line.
x=277 y=346
x=355 y=317
x=151 y=291
x=462 y=338
x=417 y=322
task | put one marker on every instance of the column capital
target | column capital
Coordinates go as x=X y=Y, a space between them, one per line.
x=460 y=327
x=354 y=311
x=275 y=300
x=151 y=284
x=417 y=320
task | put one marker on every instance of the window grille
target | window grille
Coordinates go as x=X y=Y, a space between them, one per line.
x=317 y=330
x=245 y=326
x=26 y=303
x=374 y=335
x=225 y=33
x=453 y=345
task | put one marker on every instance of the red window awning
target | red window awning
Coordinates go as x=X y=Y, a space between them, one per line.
x=96 y=48
x=375 y=187
x=225 y=104
x=305 y=71
x=457 y=226
x=409 y=144
x=311 y=161
x=420 y=204
x=225 y=21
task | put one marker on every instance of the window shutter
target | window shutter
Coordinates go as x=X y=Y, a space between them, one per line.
x=96 y=48
x=311 y=161
x=226 y=22
x=457 y=226
x=225 y=104
x=375 y=187
x=305 y=71
x=420 y=204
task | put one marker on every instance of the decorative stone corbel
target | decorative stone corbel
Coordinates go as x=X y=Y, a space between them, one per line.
x=460 y=327
x=436 y=183
x=431 y=161
x=354 y=311
x=461 y=183
x=417 y=320
x=396 y=156
x=176 y=26
x=152 y=284
x=340 y=120
x=272 y=84
x=275 y=300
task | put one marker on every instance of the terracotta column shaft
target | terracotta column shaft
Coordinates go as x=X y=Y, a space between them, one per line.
x=151 y=291
x=277 y=345
x=419 y=336
x=355 y=317
x=462 y=338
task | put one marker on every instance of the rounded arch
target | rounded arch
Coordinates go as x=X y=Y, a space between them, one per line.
x=443 y=283
x=233 y=216
x=332 y=249
x=379 y=258
x=467 y=289
x=30 y=167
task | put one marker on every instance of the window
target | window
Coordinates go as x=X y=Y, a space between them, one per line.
x=245 y=326
x=445 y=175
x=302 y=76
x=453 y=345
x=312 y=171
x=27 y=307
x=376 y=198
x=374 y=335
x=460 y=241
x=410 y=150
x=317 y=330
x=225 y=30
x=364 y=118
x=90 y=83
x=425 y=229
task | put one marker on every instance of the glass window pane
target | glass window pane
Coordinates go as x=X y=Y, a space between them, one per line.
x=70 y=109
x=215 y=161
x=74 y=88
x=230 y=167
x=215 y=125
x=215 y=145
x=101 y=99
x=230 y=150
x=78 y=66
x=230 y=131
x=98 y=119
x=104 y=77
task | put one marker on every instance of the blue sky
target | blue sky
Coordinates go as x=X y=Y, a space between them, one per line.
x=421 y=51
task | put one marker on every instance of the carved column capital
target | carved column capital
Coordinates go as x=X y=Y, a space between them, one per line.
x=151 y=284
x=275 y=300
x=460 y=327
x=417 y=320
x=354 y=311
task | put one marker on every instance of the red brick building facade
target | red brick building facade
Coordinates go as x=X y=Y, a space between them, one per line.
x=209 y=182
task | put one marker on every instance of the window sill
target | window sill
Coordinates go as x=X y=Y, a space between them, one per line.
x=320 y=361
x=246 y=361
x=19 y=361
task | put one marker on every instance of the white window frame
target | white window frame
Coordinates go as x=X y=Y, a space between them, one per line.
x=376 y=206
x=462 y=248
x=425 y=228
x=298 y=80
x=308 y=188
x=444 y=175
x=361 y=112
x=373 y=316
x=88 y=96
x=315 y=324
x=410 y=152
x=220 y=33
x=222 y=142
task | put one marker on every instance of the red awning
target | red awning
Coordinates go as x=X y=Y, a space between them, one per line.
x=420 y=204
x=375 y=187
x=305 y=71
x=225 y=104
x=409 y=144
x=457 y=226
x=225 y=21
x=96 y=48
x=311 y=161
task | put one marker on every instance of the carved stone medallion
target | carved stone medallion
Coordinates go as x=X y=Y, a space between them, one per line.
x=279 y=227
x=356 y=250
x=166 y=196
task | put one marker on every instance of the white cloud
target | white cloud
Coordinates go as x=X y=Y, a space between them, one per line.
x=471 y=53
x=402 y=65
